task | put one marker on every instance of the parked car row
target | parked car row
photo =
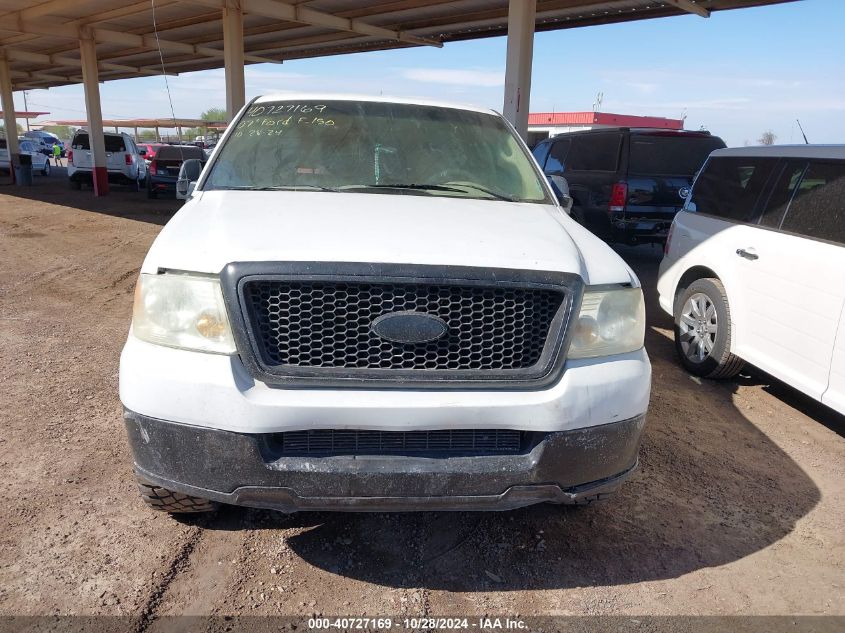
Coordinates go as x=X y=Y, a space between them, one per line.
x=152 y=166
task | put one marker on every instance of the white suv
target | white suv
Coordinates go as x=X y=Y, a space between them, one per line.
x=755 y=264
x=124 y=163
x=372 y=304
x=40 y=163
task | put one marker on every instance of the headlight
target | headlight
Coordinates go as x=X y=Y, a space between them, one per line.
x=183 y=311
x=610 y=322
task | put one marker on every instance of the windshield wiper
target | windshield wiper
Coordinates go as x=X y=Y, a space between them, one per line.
x=278 y=188
x=490 y=192
x=412 y=185
x=457 y=187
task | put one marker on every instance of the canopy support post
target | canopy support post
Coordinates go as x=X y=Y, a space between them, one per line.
x=521 y=16
x=96 y=139
x=233 y=57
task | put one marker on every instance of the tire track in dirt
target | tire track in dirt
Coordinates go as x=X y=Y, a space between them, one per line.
x=157 y=594
x=200 y=576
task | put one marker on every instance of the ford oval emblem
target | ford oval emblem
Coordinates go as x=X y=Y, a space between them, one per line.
x=409 y=327
x=683 y=192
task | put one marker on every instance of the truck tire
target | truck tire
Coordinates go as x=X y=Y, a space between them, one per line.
x=46 y=170
x=166 y=500
x=703 y=330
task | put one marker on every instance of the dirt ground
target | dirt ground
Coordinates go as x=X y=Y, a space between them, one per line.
x=738 y=508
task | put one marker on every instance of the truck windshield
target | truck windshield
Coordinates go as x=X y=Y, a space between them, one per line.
x=375 y=147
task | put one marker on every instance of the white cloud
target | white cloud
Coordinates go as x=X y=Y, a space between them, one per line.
x=460 y=77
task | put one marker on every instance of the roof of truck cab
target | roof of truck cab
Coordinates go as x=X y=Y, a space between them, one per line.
x=786 y=151
x=317 y=96
x=652 y=131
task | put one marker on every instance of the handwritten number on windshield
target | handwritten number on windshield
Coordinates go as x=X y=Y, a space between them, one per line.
x=284 y=108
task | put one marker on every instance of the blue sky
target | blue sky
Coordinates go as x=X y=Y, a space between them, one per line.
x=738 y=74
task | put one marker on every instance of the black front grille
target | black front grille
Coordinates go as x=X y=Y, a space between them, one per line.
x=327 y=442
x=327 y=324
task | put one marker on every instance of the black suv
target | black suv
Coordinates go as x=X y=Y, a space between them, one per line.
x=627 y=184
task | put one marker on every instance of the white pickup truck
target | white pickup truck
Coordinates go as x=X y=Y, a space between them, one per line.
x=374 y=304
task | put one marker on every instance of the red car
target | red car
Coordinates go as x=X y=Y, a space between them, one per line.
x=148 y=150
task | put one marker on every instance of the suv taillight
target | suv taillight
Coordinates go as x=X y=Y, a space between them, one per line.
x=153 y=168
x=69 y=156
x=128 y=158
x=618 y=197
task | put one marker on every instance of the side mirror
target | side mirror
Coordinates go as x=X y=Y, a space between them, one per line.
x=142 y=152
x=561 y=188
x=189 y=173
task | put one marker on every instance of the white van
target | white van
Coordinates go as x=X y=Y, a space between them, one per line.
x=754 y=268
x=124 y=163
x=375 y=304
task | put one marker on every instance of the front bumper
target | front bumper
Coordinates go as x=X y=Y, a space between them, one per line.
x=216 y=391
x=574 y=466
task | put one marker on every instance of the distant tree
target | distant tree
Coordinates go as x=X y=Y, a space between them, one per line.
x=147 y=135
x=768 y=138
x=214 y=114
x=62 y=131
x=3 y=130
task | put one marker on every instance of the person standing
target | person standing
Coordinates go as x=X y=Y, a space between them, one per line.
x=57 y=153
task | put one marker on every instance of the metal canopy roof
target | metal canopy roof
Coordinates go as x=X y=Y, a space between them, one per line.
x=142 y=123
x=25 y=115
x=41 y=39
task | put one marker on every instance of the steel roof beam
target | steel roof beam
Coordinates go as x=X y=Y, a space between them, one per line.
x=302 y=14
x=690 y=7
x=106 y=36
x=61 y=60
x=39 y=76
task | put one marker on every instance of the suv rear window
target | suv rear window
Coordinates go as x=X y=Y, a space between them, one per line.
x=670 y=155
x=113 y=143
x=594 y=152
x=729 y=187
x=817 y=210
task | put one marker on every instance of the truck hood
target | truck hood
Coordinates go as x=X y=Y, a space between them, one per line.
x=215 y=228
